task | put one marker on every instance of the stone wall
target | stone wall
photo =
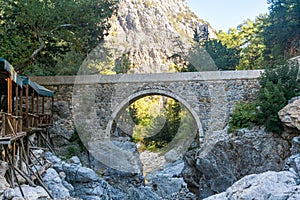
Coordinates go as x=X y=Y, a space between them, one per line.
x=100 y=99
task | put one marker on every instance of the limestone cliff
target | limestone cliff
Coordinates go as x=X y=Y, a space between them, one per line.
x=145 y=33
x=226 y=158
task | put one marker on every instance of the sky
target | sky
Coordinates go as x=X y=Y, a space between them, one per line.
x=225 y=14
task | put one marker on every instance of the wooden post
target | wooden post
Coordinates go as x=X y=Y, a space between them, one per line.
x=32 y=102
x=26 y=100
x=9 y=95
x=21 y=102
x=27 y=105
x=21 y=110
x=43 y=105
x=37 y=104
x=52 y=105
x=37 y=110
x=16 y=108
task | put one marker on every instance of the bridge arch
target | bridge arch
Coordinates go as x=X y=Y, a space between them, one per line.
x=147 y=92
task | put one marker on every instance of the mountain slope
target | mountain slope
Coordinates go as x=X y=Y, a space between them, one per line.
x=146 y=33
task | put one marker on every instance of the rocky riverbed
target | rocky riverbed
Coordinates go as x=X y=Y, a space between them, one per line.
x=69 y=179
x=249 y=164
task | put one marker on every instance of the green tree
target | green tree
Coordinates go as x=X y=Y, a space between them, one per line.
x=248 y=39
x=253 y=47
x=270 y=100
x=40 y=36
x=157 y=120
x=225 y=58
x=244 y=115
x=172 y=116
x=282 y=31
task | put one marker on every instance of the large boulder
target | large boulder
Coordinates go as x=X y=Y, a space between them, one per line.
x=55 y=184
x=73 y=178
x=118 y=160
x=290 y=114
x=168 y=183
x=226 y=158
x=292 y=164
x=85 y=184
x=295 y=149
x=63 y=127
x=267 y=185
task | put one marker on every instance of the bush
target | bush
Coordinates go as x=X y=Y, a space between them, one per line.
x=278 y=85
x=243 y=116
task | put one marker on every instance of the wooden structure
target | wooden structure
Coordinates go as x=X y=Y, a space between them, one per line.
x=11 y=104
x=35 y=100
x=21 y=114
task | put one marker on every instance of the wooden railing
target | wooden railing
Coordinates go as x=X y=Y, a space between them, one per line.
x=11 y=127
x=38 y=120
x=44 y=120
x=31 y=120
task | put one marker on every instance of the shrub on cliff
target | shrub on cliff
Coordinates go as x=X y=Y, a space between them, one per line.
x=243 y=116
x=277 y=86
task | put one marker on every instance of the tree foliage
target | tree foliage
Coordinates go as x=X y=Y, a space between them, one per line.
x=225 y=58
x=157 y=120
x=247 y=38
x=172 y=116
x=277 y=87
x=243 y=116
x=45 y=36
x=270 y=39
x=282 y=30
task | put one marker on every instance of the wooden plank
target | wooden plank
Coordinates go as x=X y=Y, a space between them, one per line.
x=11 y=138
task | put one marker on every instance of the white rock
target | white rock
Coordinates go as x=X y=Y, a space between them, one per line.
x=55 y=184
x=268 y=185
x=290 y=114
x=31 y=193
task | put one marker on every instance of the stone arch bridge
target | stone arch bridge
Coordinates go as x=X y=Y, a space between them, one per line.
x=97 y=100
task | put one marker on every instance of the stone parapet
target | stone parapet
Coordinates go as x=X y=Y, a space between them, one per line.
x=144 y=78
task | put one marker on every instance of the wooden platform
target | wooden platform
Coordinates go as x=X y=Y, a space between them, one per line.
x=10 y=139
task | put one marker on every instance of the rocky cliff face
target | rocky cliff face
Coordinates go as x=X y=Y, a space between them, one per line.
x=226 y=158
x=273 y=185
x=240 y=157
x=146 y=33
